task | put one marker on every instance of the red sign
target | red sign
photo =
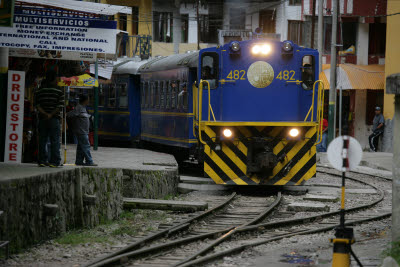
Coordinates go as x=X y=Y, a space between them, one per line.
x=15 y=116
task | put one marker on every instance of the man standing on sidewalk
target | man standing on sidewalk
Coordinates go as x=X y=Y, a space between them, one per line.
x=80 y=127
x=49 y=103
x=377 y=129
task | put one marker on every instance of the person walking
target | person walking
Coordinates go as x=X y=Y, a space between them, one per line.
x=80 y=119
x=378 y=125
x=49 y=101
x=321 y=147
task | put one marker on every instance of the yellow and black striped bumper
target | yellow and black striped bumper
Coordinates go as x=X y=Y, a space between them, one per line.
x=226 y=161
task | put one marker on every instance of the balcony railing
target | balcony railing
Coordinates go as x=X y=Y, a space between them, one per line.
x=135 y=45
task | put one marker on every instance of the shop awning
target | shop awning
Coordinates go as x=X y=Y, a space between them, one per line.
x=81 y=81
x=89 y=7
x=350 y=76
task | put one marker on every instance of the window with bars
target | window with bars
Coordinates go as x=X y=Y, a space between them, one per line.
x=295 y=30
x=162 y=26
x=294 y=2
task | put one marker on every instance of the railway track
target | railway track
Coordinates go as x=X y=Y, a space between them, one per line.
x=235 y=225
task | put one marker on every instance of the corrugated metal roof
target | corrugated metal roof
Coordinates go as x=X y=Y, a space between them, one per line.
x=171 y=62
x=350 y=76
x=89 y=7
x=128 y=66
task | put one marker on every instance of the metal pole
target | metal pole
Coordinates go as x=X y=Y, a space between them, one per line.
x=320 y=32
x=332 y=82
x=396 y=172
x=340 y=110
x=313 y=23
x=198 y=25
x=96 y=108
x=3 y=97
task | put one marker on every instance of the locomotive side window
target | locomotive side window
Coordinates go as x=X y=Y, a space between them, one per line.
x=209 y=68
x=168 y=98
x=123 y=95
x=308 y=72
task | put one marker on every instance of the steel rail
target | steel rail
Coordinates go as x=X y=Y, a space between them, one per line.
x=237 y=249
x=249 y=228
x=171 y=230
x=168 y=245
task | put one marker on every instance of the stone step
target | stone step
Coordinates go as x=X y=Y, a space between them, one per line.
x=321 y=198
x=360 y=191
x=186 y=188
x=155 y=204
x=196 y=180
x=303 y=206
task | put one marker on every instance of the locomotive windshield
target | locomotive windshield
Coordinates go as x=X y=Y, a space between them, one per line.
x=209 y=68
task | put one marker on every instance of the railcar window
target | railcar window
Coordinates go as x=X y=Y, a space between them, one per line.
x=112 y=96
x=183 y=96
x=158 y=88
x=143 y=94
x=308 y=72
x=174 y=87
x=153 y=94
x=101 y=95
x=162 y=92
x=147 y=94
x=209 y=68
x=123 y=95
x=168 y=97
x=91 y=96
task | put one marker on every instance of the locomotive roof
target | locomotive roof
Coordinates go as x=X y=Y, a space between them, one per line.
x=188 y=60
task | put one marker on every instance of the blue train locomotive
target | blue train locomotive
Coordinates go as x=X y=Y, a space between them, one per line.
x=248 y=110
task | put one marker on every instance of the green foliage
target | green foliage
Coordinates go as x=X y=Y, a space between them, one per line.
x=81 y=237
x=393 y=251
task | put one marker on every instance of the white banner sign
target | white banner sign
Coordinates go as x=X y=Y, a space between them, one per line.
x=52 y=54
x=15 y=117
x=54 y=29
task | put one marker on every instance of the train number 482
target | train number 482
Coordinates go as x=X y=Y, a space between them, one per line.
x=286 y=75
x=236 y=75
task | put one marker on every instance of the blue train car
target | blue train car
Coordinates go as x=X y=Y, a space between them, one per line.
x=250 y=110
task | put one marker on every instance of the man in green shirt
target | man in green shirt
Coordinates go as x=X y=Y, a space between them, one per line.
x=49 y=103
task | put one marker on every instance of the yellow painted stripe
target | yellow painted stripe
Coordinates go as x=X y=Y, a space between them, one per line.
x=112 y=112
x=275 y=131
x=175 y=114
x=235 y=159
x=310 y=173
x=242 y=147
x=225 y=168
x=295 y=169
x=113 y=133
x=169 y=138
x=245 y=131
x=210 y=172
x=293 y=151
x=255 y=179
x=258 y=123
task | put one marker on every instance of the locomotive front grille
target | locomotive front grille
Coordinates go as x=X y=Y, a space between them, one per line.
x=260 y=155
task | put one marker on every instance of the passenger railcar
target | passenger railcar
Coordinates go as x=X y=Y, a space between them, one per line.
x=248 y=110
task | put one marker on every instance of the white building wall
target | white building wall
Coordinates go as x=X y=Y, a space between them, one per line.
x=362 y=43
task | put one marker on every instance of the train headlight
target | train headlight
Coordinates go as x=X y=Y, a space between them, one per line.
x=287 y=46
x=256 y=49
x=294 y=132
x=227 y=133
x=265 y=49
x=235 y=46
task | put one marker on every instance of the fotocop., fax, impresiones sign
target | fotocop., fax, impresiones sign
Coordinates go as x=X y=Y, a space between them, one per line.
x=61 y=30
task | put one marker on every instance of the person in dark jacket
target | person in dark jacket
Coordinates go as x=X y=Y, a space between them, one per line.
x=378 y=125
x=80 y=119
